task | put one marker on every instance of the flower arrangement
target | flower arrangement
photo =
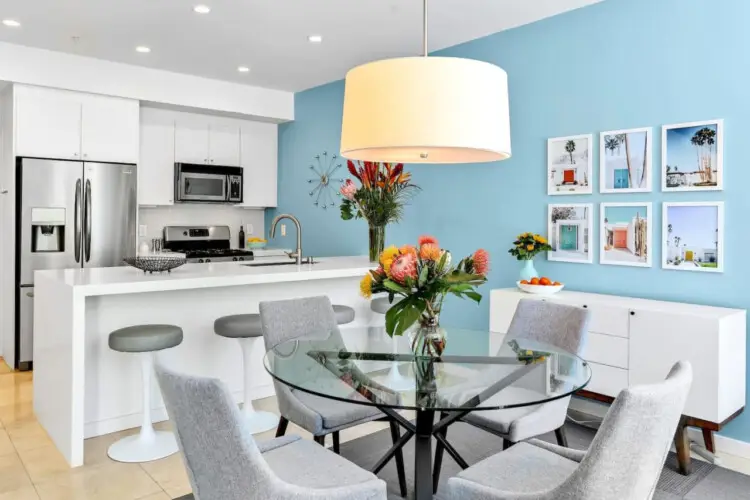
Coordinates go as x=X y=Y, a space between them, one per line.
x=421 y=277
x=380 y=198
x=528 y=245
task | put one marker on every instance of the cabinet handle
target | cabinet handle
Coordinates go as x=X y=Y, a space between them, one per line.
x=85 y=155
x=632 y=313
x=585 y=306
x=4 y=191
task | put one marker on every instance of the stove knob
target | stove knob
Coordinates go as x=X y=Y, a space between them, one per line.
x=200 y=261
x=208 y=260
x=234 y=259
x=242 y=258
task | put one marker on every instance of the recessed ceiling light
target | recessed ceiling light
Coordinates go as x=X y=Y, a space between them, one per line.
x=315 y=38
x=11 y=23
x=243 y=69
x=142 y=49
x=202 y=9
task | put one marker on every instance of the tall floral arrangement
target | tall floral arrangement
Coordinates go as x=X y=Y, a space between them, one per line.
x=421 y=277
x=384 y=189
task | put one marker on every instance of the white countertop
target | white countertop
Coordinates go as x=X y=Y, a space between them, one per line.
x=125 y=280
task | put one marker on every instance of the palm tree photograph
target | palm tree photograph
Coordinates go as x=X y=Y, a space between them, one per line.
x=692 y=156
x=625 y=161
x=569 y=165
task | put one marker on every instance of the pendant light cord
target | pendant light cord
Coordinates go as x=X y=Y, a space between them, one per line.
x=424 y=28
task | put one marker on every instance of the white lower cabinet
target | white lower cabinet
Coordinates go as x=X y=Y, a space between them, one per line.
x=637 y=341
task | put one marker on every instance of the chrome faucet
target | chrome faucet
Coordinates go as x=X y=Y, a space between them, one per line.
x=298 y=254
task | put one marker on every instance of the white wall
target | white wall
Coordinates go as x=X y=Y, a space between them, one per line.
x=7 y=228
x=201 y=215
x=66 y=71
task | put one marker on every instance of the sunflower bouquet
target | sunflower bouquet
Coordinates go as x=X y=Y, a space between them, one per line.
x=528 y=245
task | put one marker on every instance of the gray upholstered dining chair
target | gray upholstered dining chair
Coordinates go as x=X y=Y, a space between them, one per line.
x=286 y=320
x=556 y=324
x=625 y=458
x=224 y=462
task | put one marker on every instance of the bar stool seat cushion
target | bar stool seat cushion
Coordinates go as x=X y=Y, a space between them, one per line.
x=239 y=326
x=344 y=314
x=381 y=305
x=145 y=338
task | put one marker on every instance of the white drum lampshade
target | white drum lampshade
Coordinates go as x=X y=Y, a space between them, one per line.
x=426 y=110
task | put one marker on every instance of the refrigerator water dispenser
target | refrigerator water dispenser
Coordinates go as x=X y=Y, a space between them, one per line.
x=47 y=230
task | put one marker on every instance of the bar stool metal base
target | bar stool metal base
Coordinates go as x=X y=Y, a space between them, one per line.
x=260 y=421
x=143 y=447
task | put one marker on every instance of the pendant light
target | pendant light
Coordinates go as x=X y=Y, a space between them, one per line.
x=426 y=110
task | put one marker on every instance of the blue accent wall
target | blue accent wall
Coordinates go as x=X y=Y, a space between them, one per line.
x=614 y=65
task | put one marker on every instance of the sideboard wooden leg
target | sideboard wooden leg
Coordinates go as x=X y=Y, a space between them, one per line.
x=708 y=438
x=682 y=444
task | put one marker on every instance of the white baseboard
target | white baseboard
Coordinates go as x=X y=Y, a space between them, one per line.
x=116 y=424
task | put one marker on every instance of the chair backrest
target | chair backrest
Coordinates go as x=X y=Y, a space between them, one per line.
x=284 y=320
x=546 y=321
x=627 y=455
x=219 y=452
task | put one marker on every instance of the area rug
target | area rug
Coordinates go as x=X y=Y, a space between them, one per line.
x=707 y=482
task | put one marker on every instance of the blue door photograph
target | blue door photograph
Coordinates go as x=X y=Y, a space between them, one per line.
x=569 y=237
x=621 y=178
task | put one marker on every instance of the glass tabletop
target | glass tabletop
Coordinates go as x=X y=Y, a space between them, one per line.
x=478 y=370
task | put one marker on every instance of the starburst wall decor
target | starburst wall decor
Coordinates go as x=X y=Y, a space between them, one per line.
x=326 y=190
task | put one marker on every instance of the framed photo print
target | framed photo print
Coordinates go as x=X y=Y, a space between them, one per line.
x=693 y=236
x=569 y=162
x=625 y=161
x=693 y=156
x=569 y=232
x=625 y=234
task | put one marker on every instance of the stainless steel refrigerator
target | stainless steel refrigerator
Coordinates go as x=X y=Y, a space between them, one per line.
x=69 y=215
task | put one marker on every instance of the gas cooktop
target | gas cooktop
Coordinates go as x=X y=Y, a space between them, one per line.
x=218 y=255
x=203 y=244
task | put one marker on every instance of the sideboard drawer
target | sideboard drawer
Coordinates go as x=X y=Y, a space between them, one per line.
x=607 y=380
x=606 y=349
x=609 y=320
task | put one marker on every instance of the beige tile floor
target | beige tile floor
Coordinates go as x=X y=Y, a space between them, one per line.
x=31 y=468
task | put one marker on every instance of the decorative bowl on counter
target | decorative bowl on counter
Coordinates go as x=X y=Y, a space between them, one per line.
x=256 y=245
x=157 y=262
x=540 y=289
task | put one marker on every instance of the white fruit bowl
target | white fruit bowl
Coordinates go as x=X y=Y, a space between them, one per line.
x=540 y=289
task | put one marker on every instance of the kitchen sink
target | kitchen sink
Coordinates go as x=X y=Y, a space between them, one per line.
x=308 y=260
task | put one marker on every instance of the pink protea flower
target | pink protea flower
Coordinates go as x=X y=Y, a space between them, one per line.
x=426 y=239
x=348 y=189
x=481 y=261
x=405 y=265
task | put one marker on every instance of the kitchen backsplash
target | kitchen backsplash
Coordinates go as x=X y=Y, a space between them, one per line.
x=155 y=218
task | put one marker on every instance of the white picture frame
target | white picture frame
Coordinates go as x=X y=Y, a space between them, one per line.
x=569 y=168
x=677 y=149
x=625 y=161
x=687 y=249
x=623 y=239
x=578 y=227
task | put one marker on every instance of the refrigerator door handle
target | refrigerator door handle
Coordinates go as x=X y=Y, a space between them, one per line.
x=87 y=222
x=77 y=222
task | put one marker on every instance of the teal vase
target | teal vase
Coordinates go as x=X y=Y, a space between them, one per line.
x=528 y=271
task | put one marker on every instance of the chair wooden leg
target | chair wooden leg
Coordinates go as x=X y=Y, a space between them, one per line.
x=708 y=439
x=439 y=451
x=396 y=435
x=281 y=429
x=507 y=444
x=336 y=443
x=562 y=438
x=321 y=440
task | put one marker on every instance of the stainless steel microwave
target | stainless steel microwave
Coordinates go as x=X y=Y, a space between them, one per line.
x=195 y=183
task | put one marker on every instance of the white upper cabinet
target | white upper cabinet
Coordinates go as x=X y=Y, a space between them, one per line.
x=110 y=129
x=54 y=123
x=259 y=160
x=224 y=143
x=48 y=123
x=156 y=165
x=191 y=138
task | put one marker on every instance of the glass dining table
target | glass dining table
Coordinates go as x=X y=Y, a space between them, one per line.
x=478 y=371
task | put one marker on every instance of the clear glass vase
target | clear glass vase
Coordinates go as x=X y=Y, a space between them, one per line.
x=427 y=337
x=377 y=242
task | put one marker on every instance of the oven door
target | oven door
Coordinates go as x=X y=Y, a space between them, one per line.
x=195 y=186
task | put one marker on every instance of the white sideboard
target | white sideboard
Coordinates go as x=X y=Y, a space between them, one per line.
x=636 y=341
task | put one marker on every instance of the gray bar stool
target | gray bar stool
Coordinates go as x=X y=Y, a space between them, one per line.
x=148 y=444
x=246 y=329
x=395 y=380
x=344 y=314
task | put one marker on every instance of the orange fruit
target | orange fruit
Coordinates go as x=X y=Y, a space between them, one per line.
x=545 y=281
x=557 y=283
x=534 y=281
x=524 y=282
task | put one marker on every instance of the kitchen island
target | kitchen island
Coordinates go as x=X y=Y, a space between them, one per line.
x=83 y=389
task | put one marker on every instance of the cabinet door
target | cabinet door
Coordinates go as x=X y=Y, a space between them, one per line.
x=259 y=160
x=191 y=139
x=48 y=123
x=156 y=165
x=109 y=130
x=224 y=144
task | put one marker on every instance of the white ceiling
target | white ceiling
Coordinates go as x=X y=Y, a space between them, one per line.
x=270 y=36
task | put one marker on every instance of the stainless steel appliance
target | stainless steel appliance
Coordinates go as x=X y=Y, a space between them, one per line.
x=207 y=183
x=70 y=215
x=203 y=244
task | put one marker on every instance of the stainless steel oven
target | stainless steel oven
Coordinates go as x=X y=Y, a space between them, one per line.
x=207 y=183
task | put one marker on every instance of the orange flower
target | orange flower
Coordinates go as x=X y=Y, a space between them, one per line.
x=408 y=249
x=430 y=251
x=425 y=239
x=481 y=261
x=529 y=247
